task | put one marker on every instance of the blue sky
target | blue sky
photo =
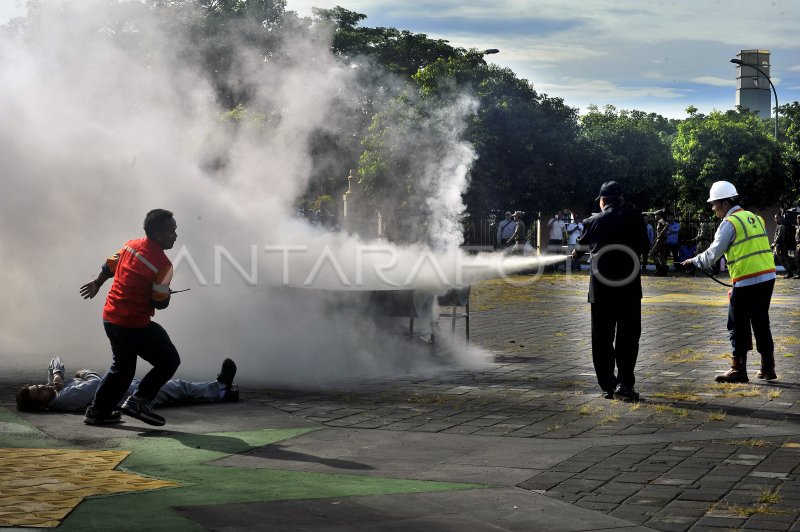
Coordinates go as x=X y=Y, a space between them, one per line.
x=656 y=56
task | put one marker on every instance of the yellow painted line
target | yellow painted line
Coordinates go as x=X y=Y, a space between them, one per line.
x=693 y=299
x=720 y=300
x=39 y=487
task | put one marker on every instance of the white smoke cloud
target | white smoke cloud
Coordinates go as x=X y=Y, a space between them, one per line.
x=93 y=137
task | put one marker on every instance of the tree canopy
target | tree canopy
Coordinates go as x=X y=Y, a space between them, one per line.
x=532 y=152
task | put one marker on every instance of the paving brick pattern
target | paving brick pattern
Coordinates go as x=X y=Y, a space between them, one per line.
x=541 y=384
x=692 y=455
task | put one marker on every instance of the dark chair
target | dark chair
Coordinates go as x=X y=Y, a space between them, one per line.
x=455 y=298
x=394 y=303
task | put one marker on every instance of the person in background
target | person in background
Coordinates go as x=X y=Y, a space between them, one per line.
x=505 y=229
x=659 y=250
x=516 y=242
x=63 y=394
x=742 y=239
x=797 y=244
x=556 y=228
x=651 y=236
x=141 y=273
x=573 y=230
x=615 y=237
x=673 y=238
x=780 y=249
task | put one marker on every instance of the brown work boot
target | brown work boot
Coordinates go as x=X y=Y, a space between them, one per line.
x=767 y=374
x=737 y=373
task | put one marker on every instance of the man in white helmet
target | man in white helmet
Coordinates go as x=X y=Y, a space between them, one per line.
x=742 y=238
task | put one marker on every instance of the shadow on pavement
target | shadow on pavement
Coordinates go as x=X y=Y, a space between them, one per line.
x=277 y=452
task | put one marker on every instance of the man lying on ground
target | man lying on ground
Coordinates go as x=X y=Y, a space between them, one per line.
x=62 y=394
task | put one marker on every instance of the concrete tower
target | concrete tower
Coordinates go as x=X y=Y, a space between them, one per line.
x=752 y=87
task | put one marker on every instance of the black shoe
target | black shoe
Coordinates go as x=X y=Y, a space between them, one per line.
x=768 y=374
x=93 y=417
x=141 y=410
x=626 y=393
x=607 y=394
x=231 y=394
x=227 y=372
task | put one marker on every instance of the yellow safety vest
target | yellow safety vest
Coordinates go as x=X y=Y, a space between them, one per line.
x=749 y=254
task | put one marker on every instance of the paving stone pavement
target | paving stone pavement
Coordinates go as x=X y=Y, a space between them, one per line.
x=692 y=455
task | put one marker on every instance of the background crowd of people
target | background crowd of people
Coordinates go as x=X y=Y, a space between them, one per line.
x=672 y=239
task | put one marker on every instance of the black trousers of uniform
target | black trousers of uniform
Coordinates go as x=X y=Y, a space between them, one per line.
x=749 y=307
x=153 y=344
x=616 y=329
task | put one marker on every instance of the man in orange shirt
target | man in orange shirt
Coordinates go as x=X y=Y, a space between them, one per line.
x=141 y=273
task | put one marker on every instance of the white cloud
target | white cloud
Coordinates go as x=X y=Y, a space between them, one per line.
x=717 y=82
x=601 y=90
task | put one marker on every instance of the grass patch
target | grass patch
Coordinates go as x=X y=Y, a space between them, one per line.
x=752 y=442
x=568 y=384
x=685 y=355
x=608 y=419
x=789 y=355
x=770 y=496
x=678 y=396
x=748 y=511
x=587 y=410
x=728 y=390
x=774 y=394
x=717 y=416
x=560 y=333
x=555 y=426
x=787 y=340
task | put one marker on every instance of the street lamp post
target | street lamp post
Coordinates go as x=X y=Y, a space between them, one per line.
x=742 y=63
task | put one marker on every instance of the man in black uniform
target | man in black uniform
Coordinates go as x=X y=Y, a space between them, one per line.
x=616 y=238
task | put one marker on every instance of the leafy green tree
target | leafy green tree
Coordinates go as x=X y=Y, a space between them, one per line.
x=398 y=51
x=632 y=147
x=790 y=135
x=381 y=62
x=524 y=140
x=734 y=146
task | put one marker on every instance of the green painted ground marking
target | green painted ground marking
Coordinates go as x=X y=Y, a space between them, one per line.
x=184 y=457
x=16 y=432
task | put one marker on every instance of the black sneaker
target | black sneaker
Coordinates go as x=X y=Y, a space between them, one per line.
x=231 y=394
x=626 y=393
x=93 y=417
x=607 y=394
x=141 y=410
x=227 y=372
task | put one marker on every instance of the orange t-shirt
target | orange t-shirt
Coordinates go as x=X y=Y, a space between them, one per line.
x=142 y=273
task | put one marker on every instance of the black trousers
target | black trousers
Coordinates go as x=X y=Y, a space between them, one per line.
x=152 y=343
x=749 y=307
x=616 y=329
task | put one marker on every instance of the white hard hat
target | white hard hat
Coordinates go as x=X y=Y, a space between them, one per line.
x=721 y=190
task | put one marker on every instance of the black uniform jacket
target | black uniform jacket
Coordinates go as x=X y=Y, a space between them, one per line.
x=616 y=238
